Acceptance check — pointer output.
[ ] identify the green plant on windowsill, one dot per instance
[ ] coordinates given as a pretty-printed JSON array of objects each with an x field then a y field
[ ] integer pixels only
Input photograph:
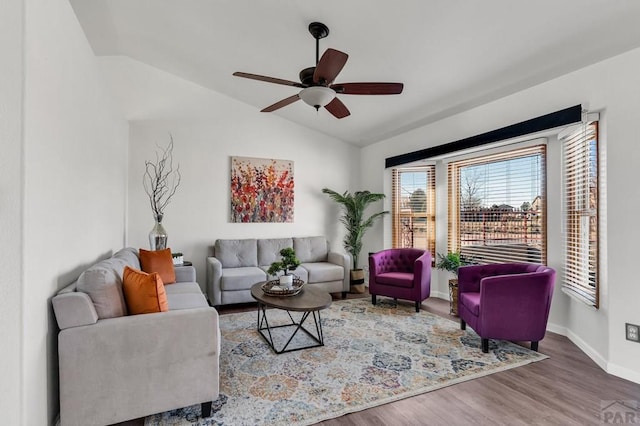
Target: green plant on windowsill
[{"x": 452, "y": 261}]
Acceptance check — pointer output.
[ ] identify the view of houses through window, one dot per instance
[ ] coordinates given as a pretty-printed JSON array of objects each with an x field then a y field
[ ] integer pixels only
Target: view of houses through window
[{"x": 497, "y": 207}]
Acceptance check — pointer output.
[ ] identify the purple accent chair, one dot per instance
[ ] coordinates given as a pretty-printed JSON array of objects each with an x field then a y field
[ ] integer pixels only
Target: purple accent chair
[
  {"x": 507, "y": 301},
  {"x": 401, "y": 273}
]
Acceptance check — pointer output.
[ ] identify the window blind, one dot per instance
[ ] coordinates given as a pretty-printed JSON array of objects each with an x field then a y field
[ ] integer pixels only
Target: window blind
[
  {"x": 413, "y": 208},
  {"x": 580, "y": 212},
  {"x": 497, "y": 207}
]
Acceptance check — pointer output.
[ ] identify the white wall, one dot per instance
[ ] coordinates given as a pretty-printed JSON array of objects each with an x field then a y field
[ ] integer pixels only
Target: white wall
[
  {"x": 199, "y": 212},
  {"x": 612, "y": 87},
  {"x": 219, "y": 128},
  {"x": 75, "y": 149},
  {"x": 11, "y": 46}
]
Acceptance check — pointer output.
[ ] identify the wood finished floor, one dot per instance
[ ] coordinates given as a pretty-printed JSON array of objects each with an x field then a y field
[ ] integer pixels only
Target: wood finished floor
[{"x": 566, "y": 389}]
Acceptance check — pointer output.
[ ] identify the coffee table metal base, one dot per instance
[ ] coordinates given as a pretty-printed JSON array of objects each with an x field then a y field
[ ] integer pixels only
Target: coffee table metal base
[{"x": 265, "y": 329}]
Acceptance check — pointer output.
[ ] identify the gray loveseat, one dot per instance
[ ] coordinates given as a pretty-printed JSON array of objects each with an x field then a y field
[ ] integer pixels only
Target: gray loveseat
[
  {"x": 236, "y": 265},
  {"x": 115, "y": 367}
]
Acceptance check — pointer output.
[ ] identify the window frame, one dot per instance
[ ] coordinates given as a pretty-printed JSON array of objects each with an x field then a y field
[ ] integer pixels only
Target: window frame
[
  {"x": 574, "y": 283},
  {"x": 429, "y": 215}
]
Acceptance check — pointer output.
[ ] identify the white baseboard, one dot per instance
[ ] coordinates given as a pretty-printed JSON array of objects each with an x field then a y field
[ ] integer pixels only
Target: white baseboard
[
  {"x": 440, "y": 295},
  {"x": 558, "y": 329},
  {"x": 591, "y": 353},
  {"x": 625, "y": 373}
]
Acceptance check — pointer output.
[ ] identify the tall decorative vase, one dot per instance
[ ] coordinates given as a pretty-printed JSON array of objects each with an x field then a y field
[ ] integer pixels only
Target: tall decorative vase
[{"x": 158, "y": 235}]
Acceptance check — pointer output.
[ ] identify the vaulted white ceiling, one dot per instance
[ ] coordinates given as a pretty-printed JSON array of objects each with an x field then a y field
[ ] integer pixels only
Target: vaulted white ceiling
[{"x": 451, "y": 55}]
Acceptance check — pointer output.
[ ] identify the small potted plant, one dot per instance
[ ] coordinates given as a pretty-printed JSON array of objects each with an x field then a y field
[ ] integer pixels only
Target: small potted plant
[
  {"x": 178, "y": 259},
  {"x": 452, "y": 262},
  {"x": 288, "y": 262}
]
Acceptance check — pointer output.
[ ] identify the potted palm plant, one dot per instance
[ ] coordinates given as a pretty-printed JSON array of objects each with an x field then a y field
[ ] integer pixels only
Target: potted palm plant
[
  {"x": 288, "y": 262},
  {"x": 452, "y": 262},
  {"x": 353, "y": 218}
]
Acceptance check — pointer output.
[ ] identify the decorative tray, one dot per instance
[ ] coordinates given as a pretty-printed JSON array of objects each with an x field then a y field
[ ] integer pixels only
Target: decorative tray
[{"x": 272, "y": 288}]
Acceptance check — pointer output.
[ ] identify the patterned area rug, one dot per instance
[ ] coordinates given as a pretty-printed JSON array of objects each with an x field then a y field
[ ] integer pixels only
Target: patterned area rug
[{"x": 372, "y": 355}]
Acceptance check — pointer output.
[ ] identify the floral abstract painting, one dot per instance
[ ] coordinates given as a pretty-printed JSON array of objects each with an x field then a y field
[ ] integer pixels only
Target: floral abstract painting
[{"x": 261, "y": 190}]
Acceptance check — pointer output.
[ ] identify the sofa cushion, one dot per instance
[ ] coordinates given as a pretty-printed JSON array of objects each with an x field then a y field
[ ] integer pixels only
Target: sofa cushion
[
  {"x": 185, "y": 295},
  {"x": 396, "y": 279},
  {"x": 183, "y": 287},
  {"x": 311, "y": 249},
  {"x": 236, "y": 253},
  {"x": 159, "y": 261},
  {"x": 103, "y": 283},
  {"x": 130, "y": 256},
  {"x": 269, "y": 250},
  {"x": 179, "y": 300},
  {"x": 241, "y": 278},
  {"x": 144, "y": 292},
  {"x": 323, "y": 271}
]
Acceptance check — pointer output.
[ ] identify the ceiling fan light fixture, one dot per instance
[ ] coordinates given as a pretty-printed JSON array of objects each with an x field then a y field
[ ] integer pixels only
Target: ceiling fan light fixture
[{"x": 317, "y": 96}]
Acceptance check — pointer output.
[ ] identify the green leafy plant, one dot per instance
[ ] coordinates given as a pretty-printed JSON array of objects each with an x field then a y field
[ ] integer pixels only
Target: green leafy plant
[
  {"x": 354, "y": 206},
  {"x": 452, "y": 261},
  {"x": 288, "y": 262}
]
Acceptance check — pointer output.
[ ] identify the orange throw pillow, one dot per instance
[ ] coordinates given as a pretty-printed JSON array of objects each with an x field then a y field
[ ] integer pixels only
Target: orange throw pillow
[
  {"x": 159, "y": 261},
  {"x": 144, "y": 293}
]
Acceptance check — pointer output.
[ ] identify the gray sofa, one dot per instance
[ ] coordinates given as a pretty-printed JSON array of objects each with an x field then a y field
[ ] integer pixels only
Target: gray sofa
[
  {"x": 236, "y": 265},
  {"x": 115, "y": 367}
]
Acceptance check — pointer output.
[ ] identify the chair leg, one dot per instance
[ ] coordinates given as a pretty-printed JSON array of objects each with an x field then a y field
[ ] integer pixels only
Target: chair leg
[
  {"x": 534, "y": 346},
  {"x": 485, "y": 345},
  {"x": 463, "y": 325},
  {"x": 417, "y": 306},
  {"x": 373, "y": 299},
  {"x": 205, "y": 409},
  {"x": 344, "y": 294}
]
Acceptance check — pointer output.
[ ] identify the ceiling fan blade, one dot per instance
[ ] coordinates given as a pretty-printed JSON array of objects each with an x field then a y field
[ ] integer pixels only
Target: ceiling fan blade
[
  {"x": 337, "y": 108},
  {"x": 282, "y": 103},
  {"x": 329, "y": 66},
  {"x": 269, "y": 79},
  {"x": 368, "y": 88}
]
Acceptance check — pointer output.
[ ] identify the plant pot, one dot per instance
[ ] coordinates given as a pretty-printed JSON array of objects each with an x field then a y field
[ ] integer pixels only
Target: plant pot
[
  {"x": 286, "y": 281},
  {"x": 357, "y": 281},
  {"x": 453, "y": 296}
]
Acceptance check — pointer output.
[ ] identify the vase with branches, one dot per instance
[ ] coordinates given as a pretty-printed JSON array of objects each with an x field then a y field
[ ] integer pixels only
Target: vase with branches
[
  {"x": 160, "y": 181},
  {"x": 356, "y": 225}
]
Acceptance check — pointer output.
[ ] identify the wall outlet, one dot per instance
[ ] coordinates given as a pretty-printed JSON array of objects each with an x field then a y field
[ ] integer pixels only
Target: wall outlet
[{"x": 632, "y": 332}]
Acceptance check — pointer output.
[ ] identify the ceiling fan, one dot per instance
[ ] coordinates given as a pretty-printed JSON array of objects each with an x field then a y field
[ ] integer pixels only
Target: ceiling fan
[{"x": 318, "y": 88}]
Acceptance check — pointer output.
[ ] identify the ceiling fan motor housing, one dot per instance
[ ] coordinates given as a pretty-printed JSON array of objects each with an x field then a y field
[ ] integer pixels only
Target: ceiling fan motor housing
[{"x": 306, "y": 76}]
